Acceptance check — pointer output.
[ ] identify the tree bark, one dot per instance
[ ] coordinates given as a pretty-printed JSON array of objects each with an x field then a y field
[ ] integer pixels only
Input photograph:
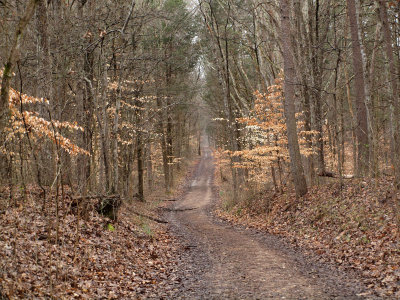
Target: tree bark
[
  {"x": 87, "y": 134},
  {"x": 289, "y": 107},
  {"x": 362, "y": 123},
  {"x": 149, "y": 167},
  {"x": 139, "y": 152},
  {"x": 10, "y": 63},
  {"x": 316, "y": 59},
  {"x": 303, "y": 58},
  {"x": 139, "y": 148},
  {"x": 394, "y": 104},
  {"x": 163, "y": 144}
]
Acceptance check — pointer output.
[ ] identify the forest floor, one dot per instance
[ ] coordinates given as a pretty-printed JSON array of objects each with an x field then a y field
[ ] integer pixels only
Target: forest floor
[
  {"x": 329, "y": 245},
  {"x": 86, "y": 257},
  {"x": 127, "y": 259},
  {"x": 223, "y": 261}
]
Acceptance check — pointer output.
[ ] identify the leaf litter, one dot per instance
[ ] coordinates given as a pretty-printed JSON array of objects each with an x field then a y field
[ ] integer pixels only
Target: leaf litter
[
  {"x": 131, "y": 258},
  {"x": 356, "y": 227}
]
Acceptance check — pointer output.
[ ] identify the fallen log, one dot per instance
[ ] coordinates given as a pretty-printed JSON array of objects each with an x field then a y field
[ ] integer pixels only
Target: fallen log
[
  {"x": 106, "y": 205},
  {"x": 333, "y": 175},
  {"x": 149, "y": 217},
  {"x": 87, "y": 197}
]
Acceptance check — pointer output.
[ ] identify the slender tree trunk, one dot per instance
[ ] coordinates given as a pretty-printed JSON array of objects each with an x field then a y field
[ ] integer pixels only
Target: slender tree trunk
[
  {"x": 149, "y": 167},
  {"x": 374, "y": 102},
  {"x": 362, "y": 123},
  {"x": 163, "y": 145},
  {"x": 170, "y": 153},
  {"x": 45, "y": 86},
  {"x": 178, "y": 150},
  {"x": 274, "y": 178},
  {"x": 103, "y": 127},
  {"x": 289, "y": 107},
  {"x": 115, "y": 146},
  {"x": 317, "y": 80},
  {"x": 231, "y": 118},
  {"x": 303, "y": 57},
  {"x": 139, "y": 148},
  {"x": 353, "y": 120},
  {"x": 5, "y": 112},
  {"x": 88, "y": 118},
  {"x": 394, "y": 104},
  {"x": 10, "y": 63},
  {"x": 168, "y": 132},
  {"x": 139, "y": 153},
  {"x": 368, "y": 103}
]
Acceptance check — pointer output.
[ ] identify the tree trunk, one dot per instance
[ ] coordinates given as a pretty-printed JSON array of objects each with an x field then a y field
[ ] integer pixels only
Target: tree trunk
[
  {"x": 103, "y": 127},
  {"x": 289, "y": 107},
  {"x": 317, "y": 80},
  {"x": 179, "y": 139},
  {"x": 163, "y": 144},
  {"x": 5, "y": 112},
  {"x": 362, "y": 123},
  {"x": 303, "y": 57},
  {"x": 394, "y": 104},
  {"x": 368, "y": 103},
  {"x": 88, "y": 118},
  {"x": 170, "y": 153},
  {"x": 115, "y": 146},
  {"x": 149, "y": 167},
  {"x": 139, "y": 147},
  {"x": 374, "y": 103},
  {"x": 9, "y": 65},
  {"x": 139, "y": 152}
]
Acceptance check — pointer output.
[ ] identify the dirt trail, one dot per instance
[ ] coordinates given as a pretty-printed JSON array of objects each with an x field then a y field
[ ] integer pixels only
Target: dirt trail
[{"x": 224, "y": 262}]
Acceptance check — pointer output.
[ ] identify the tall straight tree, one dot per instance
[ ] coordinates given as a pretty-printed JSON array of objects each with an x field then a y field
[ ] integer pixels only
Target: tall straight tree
[
  {"x": 394, "y": 104},
  {"x": 10, "y": 63},
  {"x": 296, "y": 165},
  {"x": 360, "y": 91}
]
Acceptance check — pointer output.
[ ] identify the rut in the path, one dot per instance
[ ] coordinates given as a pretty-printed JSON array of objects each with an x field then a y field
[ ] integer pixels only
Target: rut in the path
[{"x": 227, "y": 263}]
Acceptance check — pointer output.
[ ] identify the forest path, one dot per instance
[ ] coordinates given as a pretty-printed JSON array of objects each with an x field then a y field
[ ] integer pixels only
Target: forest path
[{"x": 225, "y": 262}]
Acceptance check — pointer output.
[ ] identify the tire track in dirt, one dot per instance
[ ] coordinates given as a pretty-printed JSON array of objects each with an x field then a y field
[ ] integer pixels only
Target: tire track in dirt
[{"x": 223, "y": 262}]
